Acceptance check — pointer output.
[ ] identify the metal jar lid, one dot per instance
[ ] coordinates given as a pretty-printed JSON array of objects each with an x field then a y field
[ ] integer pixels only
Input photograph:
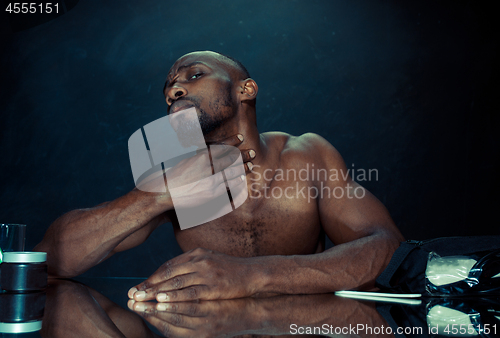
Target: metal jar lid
[
  {"x": 24, "y": 257},
  {"x": 21, "y": 327}
]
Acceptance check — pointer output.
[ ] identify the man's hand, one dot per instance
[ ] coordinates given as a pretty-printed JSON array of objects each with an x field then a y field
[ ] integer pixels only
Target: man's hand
[
  {"x": 200, "y": 274},
  {"x": 192, "y": 181}
]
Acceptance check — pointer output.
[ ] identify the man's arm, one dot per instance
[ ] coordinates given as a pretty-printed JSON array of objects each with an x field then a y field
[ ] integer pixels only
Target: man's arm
[
  {"x": 359, "y": 225},
  {"x": 364, "y": 234},
  {"x": 80, "y": 239}
]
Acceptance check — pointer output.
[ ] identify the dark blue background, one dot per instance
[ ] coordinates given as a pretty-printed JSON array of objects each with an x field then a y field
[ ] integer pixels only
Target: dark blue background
[{"x": 409, "y": 88}]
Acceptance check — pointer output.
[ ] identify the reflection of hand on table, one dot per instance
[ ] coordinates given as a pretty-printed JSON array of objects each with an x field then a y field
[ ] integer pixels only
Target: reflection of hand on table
[
  {"x": 75, "y": 310},
  {"x": 262, "y": 316}
]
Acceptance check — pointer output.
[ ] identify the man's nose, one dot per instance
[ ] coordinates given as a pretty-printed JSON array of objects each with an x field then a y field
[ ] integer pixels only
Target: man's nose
[{"x": 174, "y": 93}]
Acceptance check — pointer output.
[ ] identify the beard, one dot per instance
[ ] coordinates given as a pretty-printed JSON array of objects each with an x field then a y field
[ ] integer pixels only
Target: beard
[{"x": 188, "y": 131}]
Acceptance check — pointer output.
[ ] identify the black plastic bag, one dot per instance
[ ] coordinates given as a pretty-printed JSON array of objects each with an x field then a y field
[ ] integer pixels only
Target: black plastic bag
[{"x": 406, "y": 272}]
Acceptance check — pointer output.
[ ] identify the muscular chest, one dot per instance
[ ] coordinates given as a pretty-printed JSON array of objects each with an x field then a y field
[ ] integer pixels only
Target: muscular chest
[{"x": 277, "y": 218}]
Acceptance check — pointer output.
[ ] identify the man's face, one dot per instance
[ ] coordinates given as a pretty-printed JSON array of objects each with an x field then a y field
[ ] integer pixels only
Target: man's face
[{"x": 200, "y": 80}]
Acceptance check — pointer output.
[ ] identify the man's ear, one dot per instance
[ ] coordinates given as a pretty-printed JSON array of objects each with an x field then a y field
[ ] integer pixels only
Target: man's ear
[{"x": 248, "y": 90}]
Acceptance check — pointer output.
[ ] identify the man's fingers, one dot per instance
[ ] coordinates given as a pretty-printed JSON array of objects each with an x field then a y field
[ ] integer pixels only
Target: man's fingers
[
  {"x": 224, "y": 154},
  {"x": 230, "y": 161},
  {"x": 132, "y": 291},
  {"x": 230, "y": 141},
  {"x": 204, "y": 184},
  {"x": 223, "y": 157},
  {"x": 220, "y": 152},
  {"x": 190, "y": 293},
  {"x": 175, "y": 283},
  {"x": 169, "y": 326},
  {"x": 141, "y": 306},
  {"x": 169, "y": 330},
  {"x": 170, "y": 269},
  {"x": 248, "y": 167},
  {"x": 177, "y": 266},
  {"x": 248, "y": 155},
  {"x": 238, "y": 182},
  {"x": 192, "y": 309},
  {"x": 234, "y": 172},
  {"x": 143, "y": 296},
  {"x": 163, "y": 274},
  {"x": 193, "y": 292}
]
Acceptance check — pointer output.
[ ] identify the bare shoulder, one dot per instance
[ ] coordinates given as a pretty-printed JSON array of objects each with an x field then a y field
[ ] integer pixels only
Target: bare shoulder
[{"x": 305, "y": 148}]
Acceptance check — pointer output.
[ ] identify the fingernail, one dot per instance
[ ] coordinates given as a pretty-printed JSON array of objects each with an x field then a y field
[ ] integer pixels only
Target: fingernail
[
  {"x": 162, "y": 306},
  {"x": 242, "y": 177},
  {"x": 251, "y": 153},
  {"x": 140, "y": 307},
  {"x": 131, "y": 292},
  {"x": 161, "y": 297},
  {"x": 250, "y": 166},
  {"x": 140, "y": 295},
  {"x": 240, "y": 137}
]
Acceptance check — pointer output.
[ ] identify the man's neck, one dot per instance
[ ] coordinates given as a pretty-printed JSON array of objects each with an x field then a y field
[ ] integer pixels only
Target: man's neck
[{"x": 252, "y": 140}]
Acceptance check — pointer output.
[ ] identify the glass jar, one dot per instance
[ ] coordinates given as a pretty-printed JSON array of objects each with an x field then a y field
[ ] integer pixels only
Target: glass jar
[{"x": 23, "y": 271}]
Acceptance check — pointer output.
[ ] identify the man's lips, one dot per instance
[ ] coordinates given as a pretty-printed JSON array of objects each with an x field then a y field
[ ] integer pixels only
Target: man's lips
[{"x": 177, "y": 107}]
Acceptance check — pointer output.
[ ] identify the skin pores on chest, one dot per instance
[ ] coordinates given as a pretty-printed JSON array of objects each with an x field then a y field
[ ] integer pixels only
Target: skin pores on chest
[{"x": 278, "y": 218}]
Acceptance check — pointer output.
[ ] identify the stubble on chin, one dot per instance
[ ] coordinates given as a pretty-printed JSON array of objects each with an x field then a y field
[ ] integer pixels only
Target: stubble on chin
[{"x": 223, "y": 109}]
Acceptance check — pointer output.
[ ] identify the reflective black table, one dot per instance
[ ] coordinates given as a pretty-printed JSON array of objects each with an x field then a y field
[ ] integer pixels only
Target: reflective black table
[{"x": 99, "y": 307}]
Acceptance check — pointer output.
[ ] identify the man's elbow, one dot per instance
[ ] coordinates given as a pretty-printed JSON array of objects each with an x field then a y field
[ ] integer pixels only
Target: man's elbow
[
  {"x": 61, "y": 259},
  {"x": 387, "y": 242},
  {"x": 58, "y": 272},
  {"x": 57, "y": 267}
]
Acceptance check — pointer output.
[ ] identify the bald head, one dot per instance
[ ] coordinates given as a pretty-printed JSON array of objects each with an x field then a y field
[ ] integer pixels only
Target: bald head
[
  {"x": 236, "y": 65},
  {"x": 233, "y": 67}
]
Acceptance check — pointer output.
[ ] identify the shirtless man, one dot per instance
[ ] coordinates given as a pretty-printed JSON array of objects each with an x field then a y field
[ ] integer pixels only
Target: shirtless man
[{"x": 268, "y": 244}]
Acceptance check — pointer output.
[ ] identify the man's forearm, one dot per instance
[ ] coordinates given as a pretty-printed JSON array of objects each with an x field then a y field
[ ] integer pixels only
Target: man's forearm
[
  {"x": 82, "y": 238},
  {"x": 352, "y": 265},
  {"x": 206, "y": 274}
]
